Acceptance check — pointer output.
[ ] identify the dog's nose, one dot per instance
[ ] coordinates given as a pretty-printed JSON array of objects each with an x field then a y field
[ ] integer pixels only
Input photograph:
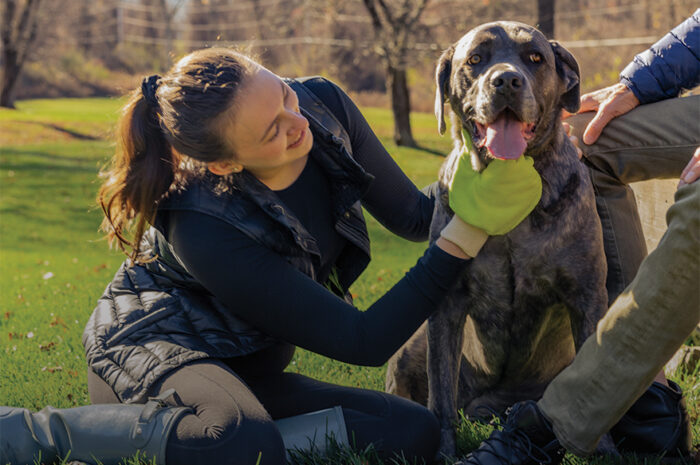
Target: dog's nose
[{"x": 507, "y": 80}]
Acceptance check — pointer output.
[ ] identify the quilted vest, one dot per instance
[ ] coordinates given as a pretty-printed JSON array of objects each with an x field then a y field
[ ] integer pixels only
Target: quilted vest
[{"x": 155, "y": 317}]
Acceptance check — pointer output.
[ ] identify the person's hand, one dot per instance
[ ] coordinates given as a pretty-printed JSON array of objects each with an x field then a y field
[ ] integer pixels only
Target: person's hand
[
  {"x": 608, "y": 103},
  {"x": 574, "y": 140},
  {"x": 691, "y": 172},
  {"x": 499, "y": 197}
]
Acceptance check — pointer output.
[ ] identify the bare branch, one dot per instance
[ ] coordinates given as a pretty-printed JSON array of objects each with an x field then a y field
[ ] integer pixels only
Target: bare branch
[
  {"x": 387, "y": 13},
  {"x": 376, "y": 21},
  {"x": 8, "y": 16},
  {"x": 418, "y": 11},
  {"x": 29, "y": 41},
  {"x": 29, "y": 8}
]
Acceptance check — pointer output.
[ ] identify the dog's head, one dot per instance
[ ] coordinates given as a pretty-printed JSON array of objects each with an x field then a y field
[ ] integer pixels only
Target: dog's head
[{"x": 506, "y": 84}]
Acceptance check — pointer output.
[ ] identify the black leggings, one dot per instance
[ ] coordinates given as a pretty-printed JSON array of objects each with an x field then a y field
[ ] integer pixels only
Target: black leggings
[{"x": 236, "y": 400}]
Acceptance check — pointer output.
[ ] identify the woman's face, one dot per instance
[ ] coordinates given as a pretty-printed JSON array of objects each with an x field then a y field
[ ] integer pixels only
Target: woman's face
[{"x": 267, "y": 134}]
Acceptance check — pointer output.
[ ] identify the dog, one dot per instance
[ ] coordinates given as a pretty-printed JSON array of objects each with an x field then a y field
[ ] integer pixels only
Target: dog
[{"x": 530, "y": 298}]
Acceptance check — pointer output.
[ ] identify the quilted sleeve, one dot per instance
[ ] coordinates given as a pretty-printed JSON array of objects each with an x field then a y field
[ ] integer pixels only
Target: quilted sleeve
[{"x": 667, "y": 67}]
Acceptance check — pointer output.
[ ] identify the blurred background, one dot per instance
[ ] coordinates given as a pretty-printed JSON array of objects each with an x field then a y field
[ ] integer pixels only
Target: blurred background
[{"x": 80, "y": 48}]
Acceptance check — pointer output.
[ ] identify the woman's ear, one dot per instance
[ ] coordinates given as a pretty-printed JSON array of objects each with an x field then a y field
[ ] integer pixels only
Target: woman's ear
[{"x": 224, "y": 167}]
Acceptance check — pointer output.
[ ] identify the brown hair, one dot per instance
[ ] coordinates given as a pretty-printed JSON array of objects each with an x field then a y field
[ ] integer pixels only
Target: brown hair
[{"x": 177, "y": 118}]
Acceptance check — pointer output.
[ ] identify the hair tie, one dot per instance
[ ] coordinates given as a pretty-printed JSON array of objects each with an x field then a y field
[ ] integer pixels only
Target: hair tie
[{"x": 149, "y": 86}]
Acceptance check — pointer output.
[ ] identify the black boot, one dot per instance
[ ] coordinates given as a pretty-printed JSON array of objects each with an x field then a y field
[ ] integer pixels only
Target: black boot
[
  {"x": 105, "y": 432},
  {"x": 526, "y": 438},
  {"x": 657, "y": 424}
]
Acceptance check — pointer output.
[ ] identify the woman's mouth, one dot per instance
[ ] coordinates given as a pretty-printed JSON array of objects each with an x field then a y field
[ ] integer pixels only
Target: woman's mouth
[{"x": 298, "y": 142}]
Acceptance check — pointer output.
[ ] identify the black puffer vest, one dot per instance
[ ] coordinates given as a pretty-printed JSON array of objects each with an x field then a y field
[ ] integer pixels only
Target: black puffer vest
[{"x": 155, "y": 317}]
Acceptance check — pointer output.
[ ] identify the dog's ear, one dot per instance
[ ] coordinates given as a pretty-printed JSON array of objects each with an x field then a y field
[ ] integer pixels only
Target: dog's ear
[
  {"x": 442, "y": 80},
  {"x": 568, "y": 71}
]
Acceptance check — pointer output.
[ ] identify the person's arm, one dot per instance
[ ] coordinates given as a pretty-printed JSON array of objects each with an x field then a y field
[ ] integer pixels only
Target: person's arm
[
  {"x": 667, "y": 67},
  {"x": 661, "y": 72},
  {"x": 270, "y": 294},
  {"x": 392, "y": 198}
]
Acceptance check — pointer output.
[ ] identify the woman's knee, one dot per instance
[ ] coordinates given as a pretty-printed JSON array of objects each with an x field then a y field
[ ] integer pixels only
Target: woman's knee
[{"x": 246, "y": 440}]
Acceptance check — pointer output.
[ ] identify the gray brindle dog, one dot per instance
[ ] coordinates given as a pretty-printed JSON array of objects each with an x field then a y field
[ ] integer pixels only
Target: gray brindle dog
[{"x": 531, "y": 297}]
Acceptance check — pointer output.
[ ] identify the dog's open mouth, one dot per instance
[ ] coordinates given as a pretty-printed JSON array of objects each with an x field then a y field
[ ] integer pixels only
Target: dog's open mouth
[{"x": 505, "y": 137}]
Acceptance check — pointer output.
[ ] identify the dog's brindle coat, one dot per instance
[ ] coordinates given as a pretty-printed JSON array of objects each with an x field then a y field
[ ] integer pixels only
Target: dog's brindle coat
[{"x": 531, "y": 297}]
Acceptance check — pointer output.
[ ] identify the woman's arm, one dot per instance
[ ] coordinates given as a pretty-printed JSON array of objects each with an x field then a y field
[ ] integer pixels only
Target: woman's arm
[
  {"x": 267, "y": 292},
  {"x": 392, "y": 198}
]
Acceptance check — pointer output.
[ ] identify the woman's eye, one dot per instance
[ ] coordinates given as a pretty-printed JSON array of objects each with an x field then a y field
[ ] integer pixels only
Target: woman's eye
[
  {"x": 274, "y": 134},
  {"x": 474, "y": 59},
  {"x": 535, "y": 57}
]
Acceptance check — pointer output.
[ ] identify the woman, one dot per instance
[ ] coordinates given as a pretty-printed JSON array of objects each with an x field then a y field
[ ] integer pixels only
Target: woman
[{"x": 245, "y": 212}]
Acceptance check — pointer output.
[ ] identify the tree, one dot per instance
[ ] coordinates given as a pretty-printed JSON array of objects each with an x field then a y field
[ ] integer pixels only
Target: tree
[
  {"x": 168, "y": 10},
  {"x": 545, "y": 17},
  {"x": 19, "y": 32},
  {"x": 393, "y": 32}
]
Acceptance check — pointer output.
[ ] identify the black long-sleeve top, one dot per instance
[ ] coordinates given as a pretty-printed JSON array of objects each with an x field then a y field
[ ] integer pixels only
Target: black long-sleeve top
[{"x": 283, "y": 302}]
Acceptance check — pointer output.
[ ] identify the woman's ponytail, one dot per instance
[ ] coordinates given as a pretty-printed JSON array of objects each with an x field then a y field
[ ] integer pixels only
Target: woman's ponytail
[
  {"x": 165, "y": 117},
  {"x": 141, "y": 172}
]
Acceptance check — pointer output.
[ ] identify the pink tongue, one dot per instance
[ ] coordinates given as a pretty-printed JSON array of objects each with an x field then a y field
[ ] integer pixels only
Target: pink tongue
[{"x": 504, "y": 137}]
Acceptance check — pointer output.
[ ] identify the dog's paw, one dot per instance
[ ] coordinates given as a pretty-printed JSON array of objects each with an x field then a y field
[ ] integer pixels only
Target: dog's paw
[{"x": 448, "y": 445}]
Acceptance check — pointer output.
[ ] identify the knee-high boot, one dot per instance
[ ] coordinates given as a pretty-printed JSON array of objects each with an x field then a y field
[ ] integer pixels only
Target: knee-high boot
[{"x": 104, "y": 432}]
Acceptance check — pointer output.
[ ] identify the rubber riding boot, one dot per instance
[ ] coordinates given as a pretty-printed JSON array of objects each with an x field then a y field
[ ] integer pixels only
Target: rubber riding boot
[
  {"x": 656, "y": 424},
  {"x": 105, "y": 432},
  {"x": 311, "y": 431},
  {"x": 526, "y": 438}
]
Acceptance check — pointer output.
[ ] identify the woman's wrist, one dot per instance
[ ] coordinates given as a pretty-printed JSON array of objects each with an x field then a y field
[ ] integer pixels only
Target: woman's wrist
[
  {"x": 460, "y": 235},
  {"x": 451, "y": 248}
]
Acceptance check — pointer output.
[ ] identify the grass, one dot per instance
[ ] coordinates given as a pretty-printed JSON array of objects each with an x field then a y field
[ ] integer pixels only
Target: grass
[{"x": 54, "y": 264}]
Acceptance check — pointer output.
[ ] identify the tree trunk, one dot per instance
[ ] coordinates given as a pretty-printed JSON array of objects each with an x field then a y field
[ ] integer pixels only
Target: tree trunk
[
  {"x": 10, "y": 73},
  {"x": 545, "y": 17},
  {"x": 401, "y": 106}
]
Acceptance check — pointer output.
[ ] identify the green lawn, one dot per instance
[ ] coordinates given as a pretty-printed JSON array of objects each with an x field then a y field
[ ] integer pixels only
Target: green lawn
[{"x": 54, "y": 264}]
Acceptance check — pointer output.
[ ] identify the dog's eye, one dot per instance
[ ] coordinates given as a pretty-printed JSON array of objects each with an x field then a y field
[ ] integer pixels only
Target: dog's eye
[
  {"x": 535, "y": 57},
  {"x": 474, "y": 59}
]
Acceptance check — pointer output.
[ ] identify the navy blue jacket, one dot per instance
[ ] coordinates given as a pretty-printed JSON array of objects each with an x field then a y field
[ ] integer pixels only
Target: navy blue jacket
[{"x": 667, "y": 67}]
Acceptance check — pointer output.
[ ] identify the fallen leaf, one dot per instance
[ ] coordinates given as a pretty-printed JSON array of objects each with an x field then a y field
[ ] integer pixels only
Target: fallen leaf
[
  {"x": 52, "y": 369},
  {"x": 47, "y": 347},
  {"x": 8, "y": 315},
  {"x": 57, "y": 320}
]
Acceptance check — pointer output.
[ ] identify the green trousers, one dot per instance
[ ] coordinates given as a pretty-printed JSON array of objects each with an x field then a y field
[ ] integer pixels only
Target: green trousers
[{"x": 660, "y": 306}]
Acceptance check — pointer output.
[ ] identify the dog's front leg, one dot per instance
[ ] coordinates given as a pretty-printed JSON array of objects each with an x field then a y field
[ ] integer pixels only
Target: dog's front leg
[{"x": 445, "y": 334}]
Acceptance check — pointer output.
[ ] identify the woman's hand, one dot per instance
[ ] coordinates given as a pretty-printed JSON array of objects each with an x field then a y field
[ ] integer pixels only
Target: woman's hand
[
  {"x": 691, "y": 172},
  {"x": 608, "y": 103},
  {"x": 498, "y": 198},
  {"x": 490, "y": 202}
]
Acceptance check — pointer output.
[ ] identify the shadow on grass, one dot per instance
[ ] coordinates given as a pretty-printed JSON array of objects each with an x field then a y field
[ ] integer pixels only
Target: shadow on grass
[
  {"x": 431, "y": 151},
  {"x": 76, "y": 164},
  {"x": 61, "y": 129}
]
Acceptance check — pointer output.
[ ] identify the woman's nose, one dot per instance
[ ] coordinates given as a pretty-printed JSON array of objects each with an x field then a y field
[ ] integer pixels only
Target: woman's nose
[{"x": 299, "y": 122}]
